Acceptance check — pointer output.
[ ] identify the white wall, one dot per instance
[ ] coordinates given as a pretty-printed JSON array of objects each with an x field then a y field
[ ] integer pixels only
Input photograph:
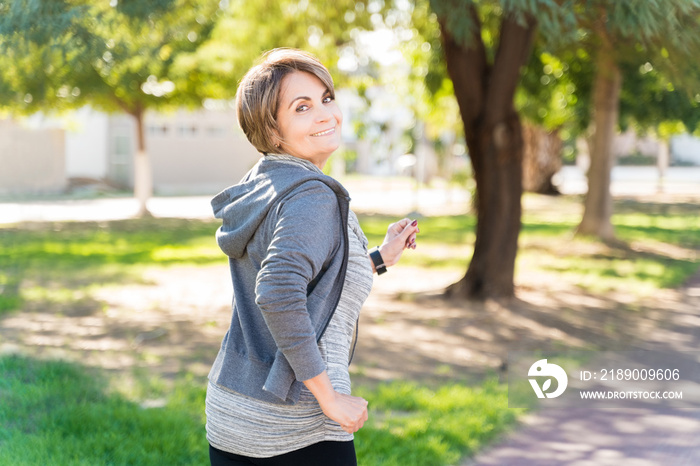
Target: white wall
[
  {"x": 685, "y": 148},
  {"x": 31, "y": 160},
  {"x": 198, "y": 152},
  {"x": 86, "y": 144}
]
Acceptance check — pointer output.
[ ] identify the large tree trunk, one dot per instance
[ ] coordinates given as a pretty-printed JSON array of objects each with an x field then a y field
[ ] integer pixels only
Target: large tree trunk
[
  {"x": 143, "y": 179},
  {"x": 541, "y": 159},
  {"x": 598, "y": 206},
  {"x": 493, "y": 132}
]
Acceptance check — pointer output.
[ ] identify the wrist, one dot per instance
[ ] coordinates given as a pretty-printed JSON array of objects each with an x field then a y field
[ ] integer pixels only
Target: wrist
[
  {"x": 377, "y": 260},
  {"x": 326, "y": 400},
  {"x": 322, "y": 389}
]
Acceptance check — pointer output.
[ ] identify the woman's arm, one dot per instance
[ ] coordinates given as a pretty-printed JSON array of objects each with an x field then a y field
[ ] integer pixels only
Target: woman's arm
[
  {"x": 347, "y": 410},
  {"x": 304, "y": 236}
]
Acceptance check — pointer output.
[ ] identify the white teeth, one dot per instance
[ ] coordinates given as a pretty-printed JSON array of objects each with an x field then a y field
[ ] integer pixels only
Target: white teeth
[{"x": 323, "y": 133}]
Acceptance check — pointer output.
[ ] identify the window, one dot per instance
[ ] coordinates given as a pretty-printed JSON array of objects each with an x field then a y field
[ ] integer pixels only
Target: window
[
  {"x": 187, "y": 131},
  {"x": 216, "y": 131},
  {"x": 157, "y": 130}
]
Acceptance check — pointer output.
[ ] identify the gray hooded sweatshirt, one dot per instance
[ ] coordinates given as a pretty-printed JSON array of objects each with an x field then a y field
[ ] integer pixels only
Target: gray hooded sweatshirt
[{"x": 285, "y": 233}]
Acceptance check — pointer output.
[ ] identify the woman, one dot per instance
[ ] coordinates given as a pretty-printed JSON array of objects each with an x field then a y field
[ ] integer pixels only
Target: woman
[{"x": 279, "y": 390}]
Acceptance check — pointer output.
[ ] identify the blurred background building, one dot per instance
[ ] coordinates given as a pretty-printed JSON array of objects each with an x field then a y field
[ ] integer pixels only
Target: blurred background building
[
  {"x": 191, "y": 152},
  {"x": 204, "y": 151}
]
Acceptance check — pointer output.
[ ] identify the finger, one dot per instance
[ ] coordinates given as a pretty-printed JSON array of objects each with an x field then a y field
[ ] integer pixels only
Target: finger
[
  {"x": 411, "y": 239},
  {"x": 363, "y": 420},
  {"x": 405, "y": 223},
  {"x": 401, "y": 224},
  {"x": 409, "y": 229}
]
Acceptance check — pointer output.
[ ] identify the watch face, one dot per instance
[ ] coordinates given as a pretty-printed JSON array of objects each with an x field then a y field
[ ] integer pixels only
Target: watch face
[
  {"x": 378, "y": 261},
  {"x": 376, "y": 258}
]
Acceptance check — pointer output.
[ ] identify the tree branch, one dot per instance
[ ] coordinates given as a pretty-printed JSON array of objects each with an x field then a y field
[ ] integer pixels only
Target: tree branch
[
  {"x": 468, "y": 68},
  {"x": 514, "y": 48}
]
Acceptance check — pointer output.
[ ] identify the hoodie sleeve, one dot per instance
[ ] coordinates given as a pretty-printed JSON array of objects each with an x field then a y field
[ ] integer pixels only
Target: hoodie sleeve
[{"x": 306, "y": 233}]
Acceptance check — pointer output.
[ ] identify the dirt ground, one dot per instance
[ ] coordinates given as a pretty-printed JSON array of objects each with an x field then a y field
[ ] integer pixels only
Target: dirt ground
[{"x": 173, "y": 321}]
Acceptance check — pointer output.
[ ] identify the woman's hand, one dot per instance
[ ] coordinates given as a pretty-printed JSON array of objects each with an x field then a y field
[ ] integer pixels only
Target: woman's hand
[
  {"x": 347, "y": 410},
  {"x": 399, "y": 236}
]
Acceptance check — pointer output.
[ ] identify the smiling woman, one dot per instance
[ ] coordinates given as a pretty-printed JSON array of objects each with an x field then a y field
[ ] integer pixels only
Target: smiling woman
[
  {"x": 259, "y": 97},
  {"x": 279, "y": 389}
]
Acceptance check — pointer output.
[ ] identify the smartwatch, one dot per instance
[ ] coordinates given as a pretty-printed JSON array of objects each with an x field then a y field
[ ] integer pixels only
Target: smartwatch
[{"x": 378, "y": 261}]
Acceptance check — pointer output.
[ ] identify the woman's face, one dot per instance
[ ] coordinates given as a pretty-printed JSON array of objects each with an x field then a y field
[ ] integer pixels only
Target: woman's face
[{"x": 308, "y": 118}]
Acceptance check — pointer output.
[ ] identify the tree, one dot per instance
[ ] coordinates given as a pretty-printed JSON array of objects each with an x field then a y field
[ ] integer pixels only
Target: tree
[
  {"x": 548, "y": 101},
  {"x": 484, "y": 65},
  {"x": 542, "y": 159},
  {"x": 655, "y": 96},
  {"x": 113, "y": 56},
  {"x": 616, "y": 33},
  {"x": 485, "y": 44},
  {"x": 245, "y": 29}
]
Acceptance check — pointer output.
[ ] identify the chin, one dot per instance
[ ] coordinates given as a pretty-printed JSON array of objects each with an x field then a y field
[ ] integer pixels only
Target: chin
[{"x": 330, "y": 148}]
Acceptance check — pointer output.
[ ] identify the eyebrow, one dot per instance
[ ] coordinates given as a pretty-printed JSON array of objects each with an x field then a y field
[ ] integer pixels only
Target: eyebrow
[{"x": 303, "y": 97}]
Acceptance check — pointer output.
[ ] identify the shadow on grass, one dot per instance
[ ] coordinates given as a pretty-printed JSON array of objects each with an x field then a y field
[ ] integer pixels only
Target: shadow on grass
[
  {"x": 457, "y": 339},
  {"x": 627, "y": 206},
  {"x": 69, "y": 256},
  {"x": 623, "y": 266}
]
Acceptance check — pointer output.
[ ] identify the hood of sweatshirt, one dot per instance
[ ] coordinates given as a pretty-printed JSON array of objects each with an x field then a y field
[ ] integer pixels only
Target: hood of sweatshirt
[{"x": 243, "y": 207}]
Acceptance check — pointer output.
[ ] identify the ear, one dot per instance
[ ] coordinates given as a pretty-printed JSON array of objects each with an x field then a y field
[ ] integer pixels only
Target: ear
[{"x": 276, "y": 138}]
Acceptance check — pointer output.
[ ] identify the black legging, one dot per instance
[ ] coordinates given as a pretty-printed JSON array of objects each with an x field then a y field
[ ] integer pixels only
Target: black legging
[{"x": 319, "y": 454}]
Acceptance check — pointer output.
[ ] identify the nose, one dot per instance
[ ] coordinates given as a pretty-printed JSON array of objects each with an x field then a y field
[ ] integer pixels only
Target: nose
[{"x": 323, "y": 113}]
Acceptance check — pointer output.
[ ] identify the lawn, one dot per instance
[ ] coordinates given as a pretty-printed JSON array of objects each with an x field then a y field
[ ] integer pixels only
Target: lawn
[
  {"x": 66, "y": 413},
  {"x": 656, "y": 248},
  {"x": 61, "y": 413},
  {"x": 62, "y": 261}
]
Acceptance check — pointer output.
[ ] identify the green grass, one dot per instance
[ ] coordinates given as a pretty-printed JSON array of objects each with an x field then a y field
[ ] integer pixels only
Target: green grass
[
  {"x": 40, "y": 263},
  {"x": 414, "y": 425},
  {"x": 547, "y": 245},
  {"x": 656, "y": 249},
  {"x": 77, "y": 245},
  {"x": 679, "y": 229},
  {"x": 63, "y": 413}
]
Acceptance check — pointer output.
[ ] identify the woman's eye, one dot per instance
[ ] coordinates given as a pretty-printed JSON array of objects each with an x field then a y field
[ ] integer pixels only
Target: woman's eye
[
  {"x": 302, "y": 108},
  {"x": 327, "y": 99}
]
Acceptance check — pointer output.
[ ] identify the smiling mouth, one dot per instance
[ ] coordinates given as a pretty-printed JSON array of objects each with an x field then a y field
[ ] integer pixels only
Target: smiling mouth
[{"x": 324, "y": 133}]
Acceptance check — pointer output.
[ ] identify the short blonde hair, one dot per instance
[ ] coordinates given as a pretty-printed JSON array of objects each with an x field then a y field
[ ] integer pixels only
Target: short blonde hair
[{"x": 258, "y": 94}]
